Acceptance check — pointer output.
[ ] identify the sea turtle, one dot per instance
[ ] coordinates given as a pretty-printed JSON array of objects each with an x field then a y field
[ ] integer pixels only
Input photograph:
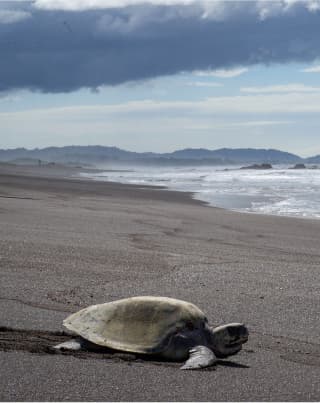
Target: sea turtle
[{"x": 170, "y": 328}]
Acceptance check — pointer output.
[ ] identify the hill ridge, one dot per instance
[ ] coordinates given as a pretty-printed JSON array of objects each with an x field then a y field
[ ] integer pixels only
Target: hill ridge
[{"x": 98, "y": 154}]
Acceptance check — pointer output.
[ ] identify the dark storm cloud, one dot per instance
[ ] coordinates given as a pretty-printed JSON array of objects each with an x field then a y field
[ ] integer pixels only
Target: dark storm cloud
[{"x": 61, "y": 51}]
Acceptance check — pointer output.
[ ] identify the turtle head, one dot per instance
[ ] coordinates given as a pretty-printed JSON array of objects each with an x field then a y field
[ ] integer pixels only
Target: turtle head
[{"x": 227, "y": 340}]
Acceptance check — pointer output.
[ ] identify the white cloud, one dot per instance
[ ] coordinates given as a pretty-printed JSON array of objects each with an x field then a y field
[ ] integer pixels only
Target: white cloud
[
  {"x": 139, "y": 124},
  {"x": 259, "y": 123},
  {"x": 265, "y": 103},
  {"x": 280, "y": 89},
  {"x": 313, "y": 5},
  {"x": 204, "y": 84},
  {"x": 288, "y": 103},
  {"x": 13, "y": 16},
  {"x": 9, "y": 98},
  {"x": 313, "y": 69},
  {"x": 222, "y": 73},
  {"x": 225, "y": 125},
  {"x": 77, "y": 5},
  {"x": 218, "y": 10},
  {"x": 268, "y": 9}
]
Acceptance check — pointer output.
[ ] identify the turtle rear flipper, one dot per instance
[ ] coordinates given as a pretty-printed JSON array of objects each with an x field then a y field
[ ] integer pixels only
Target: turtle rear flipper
[
  {"x": 72, "y": 344},
  {"x": 200, "y": 357}
]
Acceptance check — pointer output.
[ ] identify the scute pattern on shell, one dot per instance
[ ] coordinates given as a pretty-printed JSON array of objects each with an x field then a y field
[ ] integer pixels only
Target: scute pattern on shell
[{"x": 138, "y": 324}]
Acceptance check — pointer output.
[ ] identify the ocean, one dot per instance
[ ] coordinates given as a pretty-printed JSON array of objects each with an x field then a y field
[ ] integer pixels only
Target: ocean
[{"x": 277, "y": 191}]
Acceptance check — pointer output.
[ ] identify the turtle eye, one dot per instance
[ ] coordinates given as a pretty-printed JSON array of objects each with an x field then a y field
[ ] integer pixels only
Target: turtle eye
[{"x": 189, "y": 325}]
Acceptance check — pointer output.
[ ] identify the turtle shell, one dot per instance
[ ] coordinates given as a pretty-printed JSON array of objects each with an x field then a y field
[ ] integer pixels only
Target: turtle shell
[{"x": 138, "y": 324}]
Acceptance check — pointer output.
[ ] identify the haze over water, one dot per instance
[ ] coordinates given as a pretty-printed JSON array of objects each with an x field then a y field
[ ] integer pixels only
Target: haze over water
[{"x": 278, "y": 191}]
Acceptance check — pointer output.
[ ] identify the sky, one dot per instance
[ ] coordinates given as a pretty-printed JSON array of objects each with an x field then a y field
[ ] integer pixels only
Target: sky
[{"x": 160, "y": 75}]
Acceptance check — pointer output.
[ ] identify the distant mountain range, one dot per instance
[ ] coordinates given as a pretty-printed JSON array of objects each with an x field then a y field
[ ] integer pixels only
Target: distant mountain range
[{"x": 100, "y": 155}]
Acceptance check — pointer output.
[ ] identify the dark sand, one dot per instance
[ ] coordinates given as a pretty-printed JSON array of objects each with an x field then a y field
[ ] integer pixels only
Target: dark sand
[{"x": 67, "y": 243}]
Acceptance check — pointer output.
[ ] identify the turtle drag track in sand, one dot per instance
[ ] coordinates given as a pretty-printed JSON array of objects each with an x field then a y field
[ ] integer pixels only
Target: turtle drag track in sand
[{"x": 42, "y": 343}]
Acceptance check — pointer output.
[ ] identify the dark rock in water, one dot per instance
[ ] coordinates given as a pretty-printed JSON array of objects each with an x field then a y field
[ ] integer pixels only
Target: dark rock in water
[
  {"x": 258, "y": 166},
  {"x": 299, "y": 166}
]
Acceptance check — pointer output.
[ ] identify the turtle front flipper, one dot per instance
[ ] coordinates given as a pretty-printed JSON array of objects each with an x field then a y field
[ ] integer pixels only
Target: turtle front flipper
[{"x": 200, "y": 357}]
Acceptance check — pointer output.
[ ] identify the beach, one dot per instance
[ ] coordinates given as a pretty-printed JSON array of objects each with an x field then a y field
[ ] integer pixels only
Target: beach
[{"x": 67, "y": 242}]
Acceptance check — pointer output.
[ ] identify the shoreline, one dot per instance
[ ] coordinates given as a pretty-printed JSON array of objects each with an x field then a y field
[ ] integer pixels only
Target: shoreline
[
  {"x": 49, "y": 178},
  {"x": 233, "y": 202},
  {"x": 69, "y": 243},
  {"x": 62, "y": 172},
  {"x": 193, "y": 196}
]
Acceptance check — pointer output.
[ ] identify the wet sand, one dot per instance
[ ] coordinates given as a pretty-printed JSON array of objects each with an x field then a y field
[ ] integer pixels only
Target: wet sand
[{"x": 66, "y": 243}]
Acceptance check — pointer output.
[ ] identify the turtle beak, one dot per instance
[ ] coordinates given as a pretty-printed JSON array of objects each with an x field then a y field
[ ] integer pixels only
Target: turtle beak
[
  {"x": 243, "y": 333},
  {"x": 238, "y": 332}
]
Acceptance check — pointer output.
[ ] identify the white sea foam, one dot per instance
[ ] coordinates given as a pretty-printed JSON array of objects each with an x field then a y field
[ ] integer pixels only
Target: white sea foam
[{"x": 279, "y": 191}]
